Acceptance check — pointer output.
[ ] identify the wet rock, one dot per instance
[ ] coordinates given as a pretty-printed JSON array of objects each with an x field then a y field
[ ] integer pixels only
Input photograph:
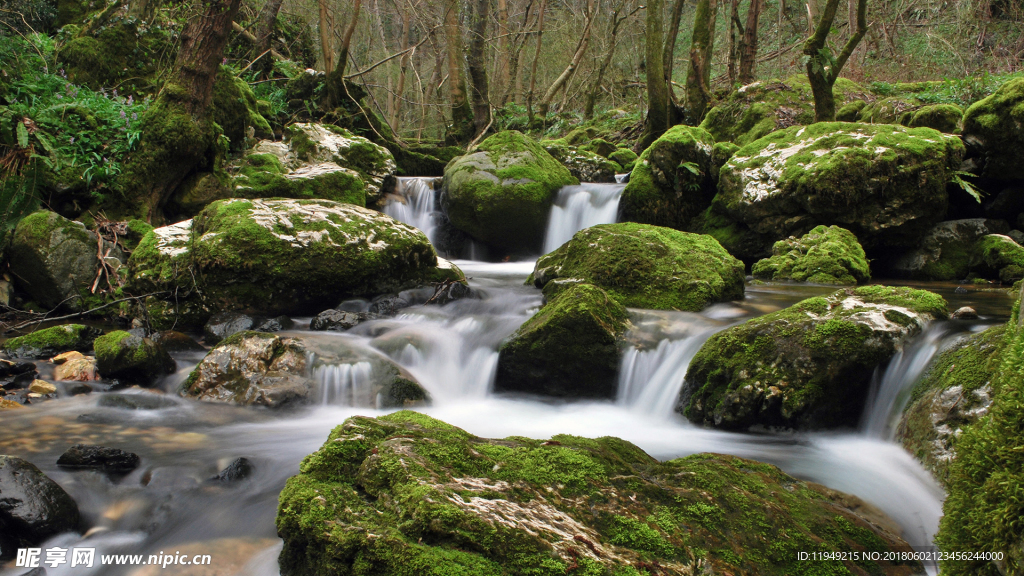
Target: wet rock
[
  {"x": 174, "y": 341},
  {"x": 6, "y": 404},
  {"x": 958, "y": 249},
  {"x": 447, "y": 292},
  {"x": 82, "y": 456},
  {"x": 77, "y": 389},
  {"x": 239, "y": 469},
  {"x": 338, "y": 320},
  {"x": 42, "y": 387},
  {"x": 222, "y": 325},
  {"x": 14, "y": 375},
  {"x": 33, "y": 508},
  {"x": 808, "y": 366},
  {"x": 387, "y": 305},
  {"x": 825, "y": 255},
  {"x": 643, "y": 266},
  {"x": 52, "y": 341},
  {"x": 53, "y": 258},
  {"x": 132, "y": 359},
  {"x": 404, "y": 486},
  {"x": 964, "y": 313},
  {"x": 144, "y": 401},
  {"x": 569, "y": 348},
  {"x": 74, "y": 366}
]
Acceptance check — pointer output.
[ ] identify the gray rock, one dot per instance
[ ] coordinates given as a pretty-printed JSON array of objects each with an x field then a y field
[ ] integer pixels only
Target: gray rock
[
  {"x": 239, "y": 469},
  {"x": 338, "y": 320},
  {"x": 32, "y": 507},
  {"x": 130, "y": 358},
  {"x": 136, "y": 401},
  {"x": 964, "y": 313},
  {"x": 944, "y": 250},
  {"x": 82, "y": 456}
]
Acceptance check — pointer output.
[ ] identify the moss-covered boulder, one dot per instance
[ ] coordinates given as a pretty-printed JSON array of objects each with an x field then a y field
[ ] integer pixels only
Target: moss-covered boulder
[
  {"x": 124, "y": 54},
  {"x": 808, "y": 366},
  {"x": 262, "y": 369},
  {"x": 49, "y": 342},
  {"x": 235, "y": 111},
  {"x": 963, "y": 249},
  {"x": 993, "y": 129},
  {"x": 264, "y": 176},
  {"x": 625, "y": 158},
  {"x": 325, "y": 143},
  {"x": 584, "y": 165},
  {"x": 954, "y": 393},
  {"x": 501, "y": 194},
  {"x": 884, "y": 183},
  {"x": 673, "y": 180},
  {"x": 271, "y": 257},
  {"x": 642, "y": 266},
  {"x": 891, "y": 110},
  {"x": 942, "y": 117},
  {"x": 569, "y": 348},
  {"x": 54, "y": 260},
  {"x": 406, "y": 494},
  {"x": 760, "y": 108},
  {"x": 825, "y": 255},
  {"x": 131, "y": 358}
]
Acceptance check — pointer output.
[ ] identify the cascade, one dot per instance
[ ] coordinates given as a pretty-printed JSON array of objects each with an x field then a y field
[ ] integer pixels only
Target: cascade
[
  {"x": 579, "y": 207},
  {"x": 414, "y": 202},
  {"x": 345, "y": 384},
  {"x": 650, "y": 380}
]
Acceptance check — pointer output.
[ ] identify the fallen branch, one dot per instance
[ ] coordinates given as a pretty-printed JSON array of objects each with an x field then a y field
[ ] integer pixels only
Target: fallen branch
[
  {"x": 78, "y": 314},
  {"x": 251, "y": 38}
]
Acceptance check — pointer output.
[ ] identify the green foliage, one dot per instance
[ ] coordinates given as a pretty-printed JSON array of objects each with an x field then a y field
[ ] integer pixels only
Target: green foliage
[
  {"x": 960, "y": 91},
  {"x": 958, "y": 177}
]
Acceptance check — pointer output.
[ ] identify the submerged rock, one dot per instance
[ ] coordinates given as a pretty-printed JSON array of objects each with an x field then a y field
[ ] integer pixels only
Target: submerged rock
[
  {"x": 643, "y": 266},
  {"x": 884, "y": 183},
  {"x": 959, "y": 249},
  {"x": 407, "y": 494},
  {"x": 569, "y": 348},
  {"x": 81, "y": 456},
  {"x": 131, "y": 358},
  {"x": 808, "y": 366},
  {"x": 16, "y": 374},
  {"x": 339, "y": 320},
  {"x": 673, "y": 181},
  {"x": 262, "y": 369},
  {"x": 52, "y": 341},
  {"x": 33, "y": 508},
  {"x": 147, "y": 401},
  {"x": 825, "y": 255},
  {"x": 993, "y": 130},
  {"x": 502, "y": 193},
  {"x": 174, "y": 341}
]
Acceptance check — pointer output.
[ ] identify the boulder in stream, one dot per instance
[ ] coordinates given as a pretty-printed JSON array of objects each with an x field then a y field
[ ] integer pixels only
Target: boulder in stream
[
  {"x": 224, "y": 324},
  {"x": 808, "y": 366},
  {"x": 33, "y": 508},
  {"x": 825, "y": 255},
  {"x": 115, "y": 460},
  {"x": 131, "y": 358},
  {"x": 643, "y": 266},
  {"x": 962, "y": 249},
  {"x": 408, "y": 494},
  {"x": 52, "y": 341}
]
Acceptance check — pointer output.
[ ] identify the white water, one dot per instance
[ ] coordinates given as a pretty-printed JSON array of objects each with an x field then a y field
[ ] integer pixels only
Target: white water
[
  {"x": 414, "y": 203},
  {"x": 344, "y": 384},
  {"x": 650, "y": 380},
  {"x": 579, "y": 207}
]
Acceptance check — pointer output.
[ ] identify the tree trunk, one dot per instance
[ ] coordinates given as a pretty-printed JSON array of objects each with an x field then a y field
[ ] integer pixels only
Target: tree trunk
[
  {"x": 734, "y": 42},
  {"x": 670, "y": 53},
  {"x": 461, "y": 129},
  {"x": 396, "y": 120},
  {"x": 265, "y": 25},
  {"x": 501, "y": 76},
  {"x": 536, "y": 59},
  {"x": 346, "y": 40},
  {"x": 822, "y": 68},
  {"x": 326, "y": 32},
  {"x": 595, "y": 88},
  {"x": 512, "y": 83},
  {"x": 698, "y": 79},
  {"x": 748, "y": 46},
  {"x": 581, "y": 49},
  {"x": 478, "y": 68},
  {"x": 658, "y": 100}
]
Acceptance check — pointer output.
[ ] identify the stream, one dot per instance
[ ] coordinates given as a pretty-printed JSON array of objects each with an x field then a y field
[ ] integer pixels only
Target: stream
[{"x": 168, "y": 503}]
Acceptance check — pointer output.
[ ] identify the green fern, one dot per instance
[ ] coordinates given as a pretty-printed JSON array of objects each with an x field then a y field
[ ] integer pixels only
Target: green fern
[{"x": 957, "y": 178}]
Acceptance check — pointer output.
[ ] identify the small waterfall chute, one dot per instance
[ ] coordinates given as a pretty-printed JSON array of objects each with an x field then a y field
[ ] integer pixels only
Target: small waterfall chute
[
  {"x": 415, "y": 203},
  {"x": 345, "y": 384},
  {"x": 650, "y": 380},
  {"x": 579, "y": 207}
]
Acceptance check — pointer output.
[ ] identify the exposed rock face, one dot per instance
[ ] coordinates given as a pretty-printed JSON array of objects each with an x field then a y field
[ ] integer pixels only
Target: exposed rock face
[
  {"x": 808, "y": 366},
  {"x": 954, "y": 393},
  {"x": 643, "y": 266},
  {"x": 54, "y": 259},
  {"x": 322, "y": 143},
  {"x": 407, "y": 494},
  {"x": 502, "y": 193},
  {"x": 52, "y": 341},
  {"x": 673, "y": 181},
  {"x": 274, "y": 257},
  {"x": 131, "y": 358},
  {"x": 825, "y": 255},
  {"x": 884, "y": 183},
  {"x": 993, "y": 129},
  {"x": 570, "y": 348},
  {"x": 257, "y": 368},
  {"x": 960, "y": 249},
  {"x": 32, "y": 507}
]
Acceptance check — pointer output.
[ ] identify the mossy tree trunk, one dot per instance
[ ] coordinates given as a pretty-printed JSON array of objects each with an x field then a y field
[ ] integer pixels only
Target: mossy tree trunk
[
  {"x": 178, "y": 133},
  {"x": 698, "y": 78},
  {"x": 663, "y": 111},
  {"x": 461, "y": 129},
  {"x": 822, "y": 68},
  {"x": 478, "y": 68}
]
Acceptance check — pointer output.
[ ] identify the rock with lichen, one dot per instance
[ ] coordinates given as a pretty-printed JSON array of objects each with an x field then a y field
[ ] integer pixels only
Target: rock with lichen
[
  {"x": 825, "y": 255},
  {"x": 808, "y": 366},
  {"x": 584, "y": 165},
  {"x": 407, "y": 494}
]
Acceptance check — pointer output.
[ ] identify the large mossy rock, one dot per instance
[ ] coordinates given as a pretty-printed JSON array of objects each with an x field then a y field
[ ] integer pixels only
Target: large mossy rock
[
  {"x": 323, "y": 143},
  {"x": 806, "y": 367},
  {"x": 265, "y": 176},
  {"x": 131, "y": 358},
  {"x": 49, "y": 342},
  {"x": 673, "y": 181},
  {"x": 235, "y": 110},
  {"x": 125, "y": 54},
  {"x": 760, "y": 108},
  {"x": 33, "y": 508},
  {"x": 954, "y": 393},
  {"x": 884, "y": 183},
  {"x": 406, "y": 494},
  {"x": 825, "y": 255},
  {"x": 569, "y": 348},
  {"x": 643, "y": 266},
  {"x": 962, "y": 249},
  {"x": 942, "y": 117},
  {"x": 271, "y": 257},
  {"x": 993, "y": 129},
  {"x": 54, "y": 260},
  {"x": 262, "y": 369},
  {"x": 501, "y": 194},
  {"x": 891, "y": 110}
]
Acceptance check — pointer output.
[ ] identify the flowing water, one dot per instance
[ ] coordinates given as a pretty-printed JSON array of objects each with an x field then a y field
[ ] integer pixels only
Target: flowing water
[
  {"x": 415, "y": 203},
  {"x": 579, "y": 207},
  {"x": 169, "y": 503}
]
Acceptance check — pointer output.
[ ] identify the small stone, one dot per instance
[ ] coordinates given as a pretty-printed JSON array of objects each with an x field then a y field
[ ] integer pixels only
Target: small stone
[
  {"x": 965, "y": 313},
  {"x": 77, "y": 389},
  {"x": 98, "y": 457},
  {"x": 9, "y": 404},
  {"x": 62, "y": 358},
  {"x": 336, "y": 320},
  {"x": 42, "y": 387},
  {"x": 81, "y": 368},
  {"x": 239, "y": 469}
]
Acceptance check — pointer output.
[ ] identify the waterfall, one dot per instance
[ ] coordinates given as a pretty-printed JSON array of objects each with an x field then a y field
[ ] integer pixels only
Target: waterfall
[
  {"x": 890, "y": 392},
  {"x": 650, "y": 380},
  {"x": 414, "y": 203},
  {"x": 345, "y": 384},
  {"x": 579, "y": 207}
]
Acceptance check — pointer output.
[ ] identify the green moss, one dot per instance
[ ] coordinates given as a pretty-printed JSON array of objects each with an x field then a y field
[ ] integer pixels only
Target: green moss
[
  {"x": 624, "y": 157},
  {"x": 645, "y": 266},
  {"x": 235, "y": 110},
  {"x": 406, "y": 494},
  {"x": 263, "y": 176},
  {"x": 123, "y": 54},
  {"x": 825, "y": 255},
  {"x": 942, "y": 117},
  {"x": 49, "y": 342},
  {"x": 995, "y": 125},
  {"x": 851, "y": 111},
  {"x": 131, "y": 358},
  {"x": 568, "y": 348},
  {"x": 892, "y": 110},
  {"x": 808, "y": 366}
]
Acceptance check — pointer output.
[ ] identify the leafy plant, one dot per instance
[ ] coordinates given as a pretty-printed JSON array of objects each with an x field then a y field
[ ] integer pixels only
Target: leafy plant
[{"x": 957, "y": 178}]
